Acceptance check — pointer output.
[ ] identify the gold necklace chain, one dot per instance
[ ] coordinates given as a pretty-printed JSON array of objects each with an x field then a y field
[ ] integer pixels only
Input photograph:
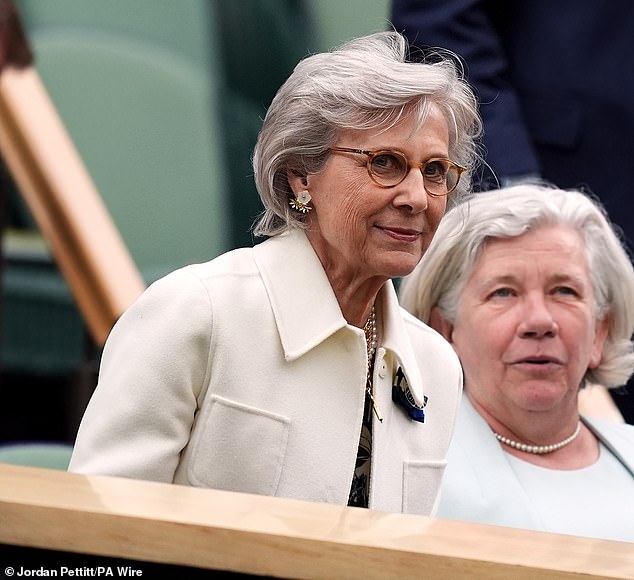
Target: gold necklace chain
[{"x": 371, "y": 341}]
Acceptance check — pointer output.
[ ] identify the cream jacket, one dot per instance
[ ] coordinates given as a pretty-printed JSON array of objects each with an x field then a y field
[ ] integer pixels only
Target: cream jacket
[{"x": 242, "y": 374}]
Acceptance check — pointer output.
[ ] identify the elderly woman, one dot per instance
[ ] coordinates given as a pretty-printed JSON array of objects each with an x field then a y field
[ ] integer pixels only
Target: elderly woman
[
  {"x": 535, "y": 291},
  {"x": 289, "y": 369}
]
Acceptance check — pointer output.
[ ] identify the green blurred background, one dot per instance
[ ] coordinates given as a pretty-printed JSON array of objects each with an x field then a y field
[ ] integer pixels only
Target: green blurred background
[{"x": 163, "y": 100}]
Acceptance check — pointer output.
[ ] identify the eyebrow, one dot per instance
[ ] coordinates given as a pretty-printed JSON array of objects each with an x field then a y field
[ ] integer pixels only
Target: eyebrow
[
  {"x": 400, "y": 149},
  {"x": 571, "y": 278},
  {"x": 555, "y": 279},
  {"x": 489, "y": 281}
]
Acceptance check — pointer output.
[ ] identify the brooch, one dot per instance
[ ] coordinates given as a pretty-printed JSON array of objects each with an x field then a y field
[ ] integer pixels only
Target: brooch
[{"x": 402, "y": 396}]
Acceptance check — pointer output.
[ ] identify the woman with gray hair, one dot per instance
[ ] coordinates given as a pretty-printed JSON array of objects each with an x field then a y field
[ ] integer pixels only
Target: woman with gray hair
[
  {"x": 534, "y": 289},
  {"x": 289, "y": 368}
]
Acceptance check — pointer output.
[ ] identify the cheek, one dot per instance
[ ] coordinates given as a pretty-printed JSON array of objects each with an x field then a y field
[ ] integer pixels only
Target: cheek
[
  {"x": 345, "y": 211},
  {"x": 344, "y": 195},
  {"x": 354, "y": 201},
  {"x": 339, "y": 212},
  {"x": 436, "y": 208},
  {"x": 435, "y": 211},
  {"x": 479, "y": 338},
  {"x": 345, "y": 224}
]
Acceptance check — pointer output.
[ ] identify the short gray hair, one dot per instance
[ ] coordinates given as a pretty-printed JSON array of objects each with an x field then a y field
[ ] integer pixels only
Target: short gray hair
[
  {"x": 367, "y": 83},
  {"x": 438, "y": 279}
]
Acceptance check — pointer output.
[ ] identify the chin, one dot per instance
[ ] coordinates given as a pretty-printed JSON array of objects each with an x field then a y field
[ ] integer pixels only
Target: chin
[
  {"x": 543, "y": 400},
  {"x": 400, "y": 267},
  {"x": 398, "y": 272}
]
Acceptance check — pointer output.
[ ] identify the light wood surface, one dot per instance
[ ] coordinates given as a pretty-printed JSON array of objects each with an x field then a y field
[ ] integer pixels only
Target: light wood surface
[
  {"x": 171, "y": 524},
  {"x": 64, "y": 202}
]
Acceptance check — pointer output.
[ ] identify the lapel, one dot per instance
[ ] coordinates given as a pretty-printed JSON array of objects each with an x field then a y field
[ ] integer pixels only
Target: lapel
[
  {"x": 615, "y": 437},
  {"x": 306, "y": 310},
  {"x": 395, "y": 338},
  {"x": 303, "y": 302},
  {"x": 498, "y": 495}
]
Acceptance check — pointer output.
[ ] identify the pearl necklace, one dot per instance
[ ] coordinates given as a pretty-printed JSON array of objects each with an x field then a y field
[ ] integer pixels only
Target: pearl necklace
[
  {"x": 538, "y": 449},
  {"x": 371, "y": 341}
]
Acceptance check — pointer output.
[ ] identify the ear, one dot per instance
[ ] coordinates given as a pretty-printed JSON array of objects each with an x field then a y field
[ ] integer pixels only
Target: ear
[
  {"x": 297, "y": 182},
  {"x": 600, "y": 336},
  {"x": 439, "y": 323}
]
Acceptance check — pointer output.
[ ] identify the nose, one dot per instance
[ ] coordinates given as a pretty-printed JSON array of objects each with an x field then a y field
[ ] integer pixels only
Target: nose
[
  {"x": 411, "y": 194},
  {"x": 537, "y": 320}
]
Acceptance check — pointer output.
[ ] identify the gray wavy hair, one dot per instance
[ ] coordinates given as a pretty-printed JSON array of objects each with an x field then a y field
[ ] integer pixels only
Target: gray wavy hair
[
  {"x": 367, "y": 83},
  {"x": 438, "y": 279}
]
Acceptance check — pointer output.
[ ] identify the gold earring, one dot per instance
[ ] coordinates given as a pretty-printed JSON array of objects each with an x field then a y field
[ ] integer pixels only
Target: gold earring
[{"x": 300, "y": 203}]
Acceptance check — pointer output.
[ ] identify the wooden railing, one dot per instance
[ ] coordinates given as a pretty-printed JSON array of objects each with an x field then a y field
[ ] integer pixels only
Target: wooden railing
[
  {"x": 64, "y": 202},
  {"x": 153, "y": 524}
]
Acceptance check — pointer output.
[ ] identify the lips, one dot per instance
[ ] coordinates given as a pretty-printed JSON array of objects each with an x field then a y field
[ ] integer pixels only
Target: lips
[
  {"x": 403, "y": 234},
  {"x": 539, "y": 360}
]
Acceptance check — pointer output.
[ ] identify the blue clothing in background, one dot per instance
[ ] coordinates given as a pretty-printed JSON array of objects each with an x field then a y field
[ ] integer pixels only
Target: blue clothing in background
[{"x": 555, "y": 81}]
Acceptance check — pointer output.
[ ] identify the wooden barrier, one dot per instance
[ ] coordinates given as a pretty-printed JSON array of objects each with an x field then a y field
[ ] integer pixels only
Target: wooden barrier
[
  {"x": 64, "y": 202},
  {"x": 153, "y": 523}
]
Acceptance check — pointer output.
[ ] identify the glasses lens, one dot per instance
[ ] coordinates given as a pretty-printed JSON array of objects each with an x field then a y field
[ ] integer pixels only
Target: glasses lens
[
  {"x": 440, "y": 176},
  {"x": 388, "y": 168}
]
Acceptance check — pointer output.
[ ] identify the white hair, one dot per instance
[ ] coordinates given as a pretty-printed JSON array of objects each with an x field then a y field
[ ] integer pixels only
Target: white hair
[
  {"x": 438, "y": 279},
  {"x": 367, "y": 83}
]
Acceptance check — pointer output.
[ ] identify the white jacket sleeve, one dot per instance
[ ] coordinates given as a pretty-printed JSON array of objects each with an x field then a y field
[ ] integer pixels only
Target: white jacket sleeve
[{"x": 154, "y": 365}]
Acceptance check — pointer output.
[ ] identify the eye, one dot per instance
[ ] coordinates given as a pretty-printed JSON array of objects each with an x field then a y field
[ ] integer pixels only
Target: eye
[
  {"x": 501, "y": 293},
  {"x": 387, "y": 164},
  {"x": 435, "y": 171},
  {"x": 566, "y": 291}
]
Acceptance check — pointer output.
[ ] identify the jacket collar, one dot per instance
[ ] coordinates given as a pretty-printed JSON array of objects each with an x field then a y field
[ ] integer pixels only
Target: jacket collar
[
  {"x": 396, "y": 339},
  {"x": 306, "y": 310},
  {"x": 615, "y": 437},
  {"x": 611, "y": 433},
  {"x": 303, "y": 302}
]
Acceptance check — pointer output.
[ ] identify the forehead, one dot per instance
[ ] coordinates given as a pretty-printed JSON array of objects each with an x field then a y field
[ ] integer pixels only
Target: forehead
[
  {"x": 555, "y": 249},
  {"x": 408, "y": 129}
]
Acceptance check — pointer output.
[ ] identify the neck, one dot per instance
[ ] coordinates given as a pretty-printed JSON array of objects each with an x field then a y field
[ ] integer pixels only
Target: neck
[{"x": 530, "y": 432}]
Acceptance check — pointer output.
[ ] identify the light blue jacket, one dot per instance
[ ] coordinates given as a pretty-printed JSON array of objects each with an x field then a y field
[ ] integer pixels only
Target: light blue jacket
[{"x": 480, "y": 484}]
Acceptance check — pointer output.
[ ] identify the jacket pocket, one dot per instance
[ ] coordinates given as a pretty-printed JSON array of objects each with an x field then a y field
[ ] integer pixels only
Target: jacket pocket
[
  {"x": 421, "y": 486},
  {"x": 238, "y": 448}
]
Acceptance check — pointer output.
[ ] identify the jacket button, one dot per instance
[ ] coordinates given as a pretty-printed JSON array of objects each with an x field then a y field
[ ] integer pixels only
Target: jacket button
[{"x": 383, "y": 370}]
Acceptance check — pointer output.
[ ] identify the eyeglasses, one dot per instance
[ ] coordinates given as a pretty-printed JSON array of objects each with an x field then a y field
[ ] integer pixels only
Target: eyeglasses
[{"x": 389, "y": 168}]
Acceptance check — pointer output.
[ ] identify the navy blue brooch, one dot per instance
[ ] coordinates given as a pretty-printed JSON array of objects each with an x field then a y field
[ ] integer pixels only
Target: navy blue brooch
[{"x": 402, "y": 396}]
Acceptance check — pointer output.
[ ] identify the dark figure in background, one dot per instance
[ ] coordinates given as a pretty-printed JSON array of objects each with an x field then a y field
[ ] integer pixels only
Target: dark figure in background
[{"x": 556, "y": 87}]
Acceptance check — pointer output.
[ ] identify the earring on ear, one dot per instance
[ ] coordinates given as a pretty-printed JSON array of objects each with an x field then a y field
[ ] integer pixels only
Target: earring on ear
[{"x": 300, "y": 203}]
